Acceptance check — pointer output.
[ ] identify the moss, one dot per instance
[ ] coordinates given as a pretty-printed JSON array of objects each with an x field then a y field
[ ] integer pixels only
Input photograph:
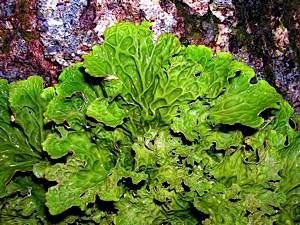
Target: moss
[
  {"x": 23, "y": 6},
  {"x": 289, "y": 10},
  {"x": 28, "y": 36},
  {"x": 24, "y": 17},
  {"x": 4, "y": 44},
  {"x": 256, "y": 16},
  {"x": 241, "y": 36},
  {"x": 193, "y": 23}
]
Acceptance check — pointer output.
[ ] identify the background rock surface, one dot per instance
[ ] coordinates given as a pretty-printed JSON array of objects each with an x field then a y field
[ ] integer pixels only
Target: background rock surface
[{"x": 43, "y": 36}]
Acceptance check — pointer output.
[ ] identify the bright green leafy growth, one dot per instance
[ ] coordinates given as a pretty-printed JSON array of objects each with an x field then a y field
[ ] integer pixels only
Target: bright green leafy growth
[
  {"x": 243, "y": 102},
  {"x": 153, "y": 80},
  {"x": 148, "y": 132},
  {"x": 85, "y": 169},
  {"x": 25, "y": 203},
  {"x": 28, "y": 107},
  {"x": 16, "y": 152},
  {"x": 108, "y": 113},
  {"x": 72, "y": 95}
]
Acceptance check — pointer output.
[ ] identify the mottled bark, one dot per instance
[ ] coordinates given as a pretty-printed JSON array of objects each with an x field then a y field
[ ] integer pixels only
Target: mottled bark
[{"x": 43, "y": 36}]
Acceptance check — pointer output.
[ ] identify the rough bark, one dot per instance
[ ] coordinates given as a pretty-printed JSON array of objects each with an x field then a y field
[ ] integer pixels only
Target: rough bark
[{"x": 43, "y": 36}]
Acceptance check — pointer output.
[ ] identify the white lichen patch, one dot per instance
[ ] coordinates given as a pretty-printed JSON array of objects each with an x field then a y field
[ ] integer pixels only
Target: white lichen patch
[
  {"x": 223, "y": 10},
  {"x": 162, "y": 21},
  {"x": 61, "y": 24},
  {"x": 222, "y": 40},
  {"x": 199, "y": 7},
  {"x": 281, "y": 37},
  {"x": 105, "y": 21}
]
